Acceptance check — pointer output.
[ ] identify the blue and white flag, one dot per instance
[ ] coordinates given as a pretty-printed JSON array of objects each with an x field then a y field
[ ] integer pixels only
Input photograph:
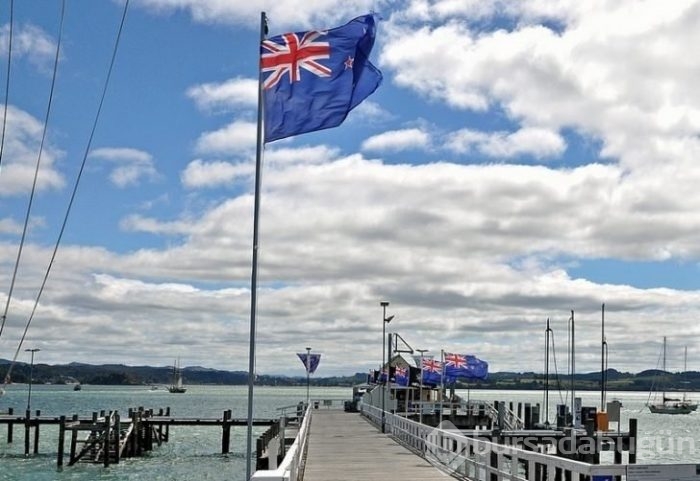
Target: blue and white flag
[
  {"x": 313, "y": 79},
  {"x": 432, "y": 371},
  {"x": 314, "y": 359},
  {"x": 464, "y": 366},
  {"x": 402, "y": 376}
]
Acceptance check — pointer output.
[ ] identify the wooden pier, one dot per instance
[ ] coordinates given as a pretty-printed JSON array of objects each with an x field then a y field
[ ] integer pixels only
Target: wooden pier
[
  {"x": 345, "y": 446},
  {"x": 107, "y": 437}
]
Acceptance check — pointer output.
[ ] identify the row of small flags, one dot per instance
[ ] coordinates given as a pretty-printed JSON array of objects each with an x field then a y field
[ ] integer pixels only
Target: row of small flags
[{"x": 434, "y": 372}]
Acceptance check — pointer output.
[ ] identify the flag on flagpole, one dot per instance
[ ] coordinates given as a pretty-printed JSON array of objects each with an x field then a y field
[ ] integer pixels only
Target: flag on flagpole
[
  {"x": 314, "y": 359},
  {"x": 432, "y": 371},
  {"x": 312, "y": 80},
  {"x": 402, "y": 376},
  {"x": 465, "y": 366}
]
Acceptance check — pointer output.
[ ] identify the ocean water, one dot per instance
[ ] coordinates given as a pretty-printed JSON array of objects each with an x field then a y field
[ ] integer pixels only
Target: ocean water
[
  {"x": 661, "y": 438},
  {"x": 193, "y": 453}
]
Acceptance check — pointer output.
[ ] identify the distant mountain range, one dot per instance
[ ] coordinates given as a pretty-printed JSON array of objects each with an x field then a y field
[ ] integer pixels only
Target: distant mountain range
[{"x": 120, "y": 374}]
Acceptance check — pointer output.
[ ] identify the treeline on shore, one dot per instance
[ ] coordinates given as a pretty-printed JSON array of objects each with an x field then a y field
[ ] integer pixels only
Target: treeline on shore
[{"x": 119, "y": 374}]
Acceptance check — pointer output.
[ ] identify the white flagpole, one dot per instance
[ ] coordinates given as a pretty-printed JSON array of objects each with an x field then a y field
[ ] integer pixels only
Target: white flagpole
[{"x": 254, "y": 270}]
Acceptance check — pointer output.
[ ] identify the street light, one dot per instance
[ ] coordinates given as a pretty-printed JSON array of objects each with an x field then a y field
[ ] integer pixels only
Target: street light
[
  {"x": 31, "y": 373},
  {"x": 420, "y": 395},
  {"x": 385, "y": 321}
]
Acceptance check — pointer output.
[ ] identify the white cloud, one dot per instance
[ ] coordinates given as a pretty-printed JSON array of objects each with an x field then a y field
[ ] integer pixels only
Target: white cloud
[
  {"x": 236, "y": 138},
  {"x": 610, "y": 72},
  {"x": 298, "y": 13},
  {"x": 199, "y": 173},
  {"x": 131, "y": 165},
  {"x": 533, "y": 141},
  {"x": 318, "y": 154},
  {"x": 20, "y": 154},
  {"x": 370, "y": 111},
  {"x": 225, "y": 96},
  {"x": 397, "y": 140},
  {"x": 31, "y": 42}
]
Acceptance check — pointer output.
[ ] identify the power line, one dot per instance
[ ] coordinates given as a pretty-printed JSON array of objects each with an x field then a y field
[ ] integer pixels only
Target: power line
[
  {"x": 7, "y": 83},
  {"x": 36, "y": 169},
  {"x": 75, "y": 185}
]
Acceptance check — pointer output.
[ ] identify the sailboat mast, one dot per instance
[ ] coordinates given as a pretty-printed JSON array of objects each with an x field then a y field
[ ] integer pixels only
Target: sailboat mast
[
  {"x": 685, "y": 368},
  {"x": 664, "y": 368},
  {"x": 573, "y": 368}
]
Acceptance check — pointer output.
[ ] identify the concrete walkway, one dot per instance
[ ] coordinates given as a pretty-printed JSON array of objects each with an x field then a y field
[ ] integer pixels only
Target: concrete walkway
[{"x": 346, "y": 447}]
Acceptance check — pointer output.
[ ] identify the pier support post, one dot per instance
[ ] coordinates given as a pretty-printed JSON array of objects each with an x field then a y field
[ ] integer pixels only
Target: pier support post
[
  {"x": 134, "y": 433},
  {"x": 528, "y": 416},
  {"x": 167, "y": 427},
  {"x": 618, "y": 454},
  {"x": 107, "y": 428},
  {"x": 10, "y": 426},
  {"x": 633, "y": 441},
  {"x": 73, "y": 440},
  {"x": 61, "y": 441},
  {"x": 283, "y": 441},
  {"x": 27, "y": 420},
  {"x": 36, "y": 433},
  {"x": 160, "y": 427},
  {"x": 226, "y": 432},
  {"x": 117, "y": 436}
]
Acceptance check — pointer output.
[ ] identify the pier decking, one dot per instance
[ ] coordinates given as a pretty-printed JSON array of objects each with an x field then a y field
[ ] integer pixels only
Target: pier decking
[{"x": 346, "y": 447}]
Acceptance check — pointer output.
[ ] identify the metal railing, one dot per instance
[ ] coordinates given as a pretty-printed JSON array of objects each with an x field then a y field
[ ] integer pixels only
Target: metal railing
[
  {"x": 289, "y": 468},
  {"x": 480, "y": 459}
]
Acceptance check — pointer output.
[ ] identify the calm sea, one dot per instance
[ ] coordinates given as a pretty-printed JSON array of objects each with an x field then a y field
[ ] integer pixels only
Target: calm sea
[{"x": 194, "y": 452}]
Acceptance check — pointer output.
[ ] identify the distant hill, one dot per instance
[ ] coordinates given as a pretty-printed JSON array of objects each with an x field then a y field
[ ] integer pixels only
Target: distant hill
[{"x": 120, "y": 374}]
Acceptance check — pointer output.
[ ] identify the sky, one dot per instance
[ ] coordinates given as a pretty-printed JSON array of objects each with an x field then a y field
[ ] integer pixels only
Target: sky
[{"x": 521, "y": 159}]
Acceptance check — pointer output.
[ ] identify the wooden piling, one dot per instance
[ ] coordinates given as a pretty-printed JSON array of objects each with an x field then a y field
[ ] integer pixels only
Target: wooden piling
[
  {"x": 167, "y": 428},
  {"x": 633, "y": 441},
  {"x": 73, "y": 440},
  {"x": 27, "y": 421},
  {"x": 10, "y": 426},
  {"x": 134, "y": 432},
  {"x": 117, "y": 436},
  {"x": 160, "y": 428},
  {"x": 106, "y": 444},
  {"x": 226, "y": 432},
  {"x": 36, "y": 433},
  {"x": 61, "y": 441}
]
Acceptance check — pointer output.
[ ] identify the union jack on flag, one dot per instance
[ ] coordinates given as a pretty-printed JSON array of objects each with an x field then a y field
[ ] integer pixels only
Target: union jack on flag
[
  {"x": 311, "y": 80},
  {"x": 288, "y": 54},
  {"x": 455, "y": 360},
  {"x": 400, "y": 371},
  {"x": 431, "y": 365}
]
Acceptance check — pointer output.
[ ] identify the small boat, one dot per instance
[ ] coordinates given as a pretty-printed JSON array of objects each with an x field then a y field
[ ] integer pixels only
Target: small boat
[
  {"x": 176, "y": 386},
  {"x": 77, "y": 387}
]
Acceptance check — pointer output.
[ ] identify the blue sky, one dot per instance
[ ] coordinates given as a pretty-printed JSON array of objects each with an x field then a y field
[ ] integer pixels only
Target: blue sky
[{"x": 521, "y": 159}]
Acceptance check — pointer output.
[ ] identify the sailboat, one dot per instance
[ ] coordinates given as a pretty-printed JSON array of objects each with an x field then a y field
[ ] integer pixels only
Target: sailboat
[
  {"x": 671, "y": 405},
  {"x": 177, "y": 386}
]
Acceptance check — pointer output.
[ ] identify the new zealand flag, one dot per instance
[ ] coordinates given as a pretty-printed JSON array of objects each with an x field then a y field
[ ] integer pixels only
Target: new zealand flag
[{"x": 314, "y": 79}]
